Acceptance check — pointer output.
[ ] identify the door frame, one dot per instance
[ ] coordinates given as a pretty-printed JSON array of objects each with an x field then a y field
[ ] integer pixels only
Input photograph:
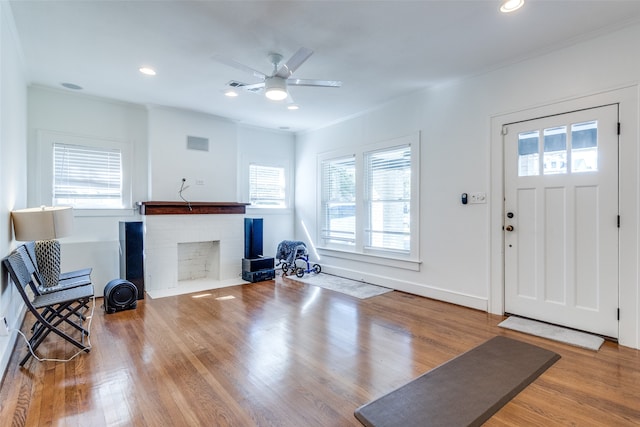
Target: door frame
[{"x": 628, "y": 195}]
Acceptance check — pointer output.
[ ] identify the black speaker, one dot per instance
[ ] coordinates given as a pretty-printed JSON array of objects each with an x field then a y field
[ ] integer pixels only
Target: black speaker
[
  {"x": 132, "y": 254},
  {"x": 252, "y": 238},
  {"x": 259, "y": 276},
  {"x": 120, "y": 294},
  {"x": 255, "y": 264}
]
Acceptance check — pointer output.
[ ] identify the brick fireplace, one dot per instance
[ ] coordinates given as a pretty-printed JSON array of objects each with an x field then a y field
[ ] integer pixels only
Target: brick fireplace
[{"x": 192, "y": 247}]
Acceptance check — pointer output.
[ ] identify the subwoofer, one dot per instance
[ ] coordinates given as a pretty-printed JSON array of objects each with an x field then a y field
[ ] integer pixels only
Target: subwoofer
[{"x": 120, "y": 294}]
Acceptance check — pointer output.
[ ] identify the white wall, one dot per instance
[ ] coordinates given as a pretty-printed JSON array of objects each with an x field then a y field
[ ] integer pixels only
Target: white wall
[
  {"x": 157, "y": 136},
  {"x": 158, "y": 139},
  {"x": 459, "y": 245},
  {"x": 273, "y": 148},
  {"x": 13, "y": 160},
  {"x": 211, "y": 175},
  {"x": 224, "y": 170},
  {"x": 95, "y": 237}
]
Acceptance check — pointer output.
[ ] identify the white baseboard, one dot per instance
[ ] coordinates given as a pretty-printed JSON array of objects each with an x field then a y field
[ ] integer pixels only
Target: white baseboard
[
  {"x": 8, "y": 343},
  {"x": 191, "y": 286},
  {"x": 411, "y": 287}
]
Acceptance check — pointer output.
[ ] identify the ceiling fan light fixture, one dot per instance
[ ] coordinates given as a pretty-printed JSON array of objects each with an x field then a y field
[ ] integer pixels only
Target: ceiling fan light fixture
[
  {"x": 511, "y": 5},
  {"x": 275, "y": 88}
]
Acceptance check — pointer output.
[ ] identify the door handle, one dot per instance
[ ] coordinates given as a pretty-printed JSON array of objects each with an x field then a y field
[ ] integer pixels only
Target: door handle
[{"x": 509, "y": 228}]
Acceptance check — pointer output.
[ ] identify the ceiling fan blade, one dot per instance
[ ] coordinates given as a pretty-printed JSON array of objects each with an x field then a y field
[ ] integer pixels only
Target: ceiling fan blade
[
  {"x": 253, "y": 88},
  {"x": 309, "y": 82},
  {"x": 289, "y": 100},
  {"x": 298, "y": 58},
  {"x": 230, "y": 62}
]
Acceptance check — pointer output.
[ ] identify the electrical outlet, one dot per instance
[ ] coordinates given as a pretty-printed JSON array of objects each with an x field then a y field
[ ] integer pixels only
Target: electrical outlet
[{"x": 4, "y": 326}]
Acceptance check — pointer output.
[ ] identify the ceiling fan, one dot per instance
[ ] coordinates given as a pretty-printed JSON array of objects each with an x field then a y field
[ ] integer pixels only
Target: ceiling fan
[{"x": 275, "y": 86}]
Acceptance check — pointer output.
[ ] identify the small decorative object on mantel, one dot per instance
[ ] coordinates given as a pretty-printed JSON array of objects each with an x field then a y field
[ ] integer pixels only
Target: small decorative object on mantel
[{"x": 191, "y": 208}]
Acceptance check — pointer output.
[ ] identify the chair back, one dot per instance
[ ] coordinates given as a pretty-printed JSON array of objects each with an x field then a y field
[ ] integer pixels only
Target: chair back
[
  {"x": 19, "y": 274},
  {"x": 32, "y": 269}
]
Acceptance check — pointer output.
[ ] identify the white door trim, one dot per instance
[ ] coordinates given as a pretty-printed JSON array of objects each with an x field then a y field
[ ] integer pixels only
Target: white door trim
[{"x": 629, "y": 188}]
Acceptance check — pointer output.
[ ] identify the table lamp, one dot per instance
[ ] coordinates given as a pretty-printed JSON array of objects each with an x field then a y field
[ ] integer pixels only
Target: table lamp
[{"x": 44, "y": 225}]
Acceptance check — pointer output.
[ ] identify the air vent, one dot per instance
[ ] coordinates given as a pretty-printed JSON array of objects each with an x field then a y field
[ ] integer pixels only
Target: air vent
[
  {"x": 197, "y": 143},
  {"x": 234, "y": 83}
]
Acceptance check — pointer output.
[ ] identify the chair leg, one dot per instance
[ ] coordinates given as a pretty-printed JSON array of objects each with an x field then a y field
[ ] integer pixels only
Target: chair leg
[
  {"x": 44, "y": 326},
  {"x": 46, "y": 329}
]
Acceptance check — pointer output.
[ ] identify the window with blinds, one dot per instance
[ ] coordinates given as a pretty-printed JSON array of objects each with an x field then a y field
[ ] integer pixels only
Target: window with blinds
[
  {"x": 87, "y": 177},
  {"x": 338, "y": 202},
  {"x": 388, "y": 198},
  {"x": 369, "y": 200},
  {"x": 267, "y": 187}
]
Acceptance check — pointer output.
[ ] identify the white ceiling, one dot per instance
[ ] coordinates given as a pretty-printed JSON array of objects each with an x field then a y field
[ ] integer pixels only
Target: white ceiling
[{"x": 379, "y": 49}]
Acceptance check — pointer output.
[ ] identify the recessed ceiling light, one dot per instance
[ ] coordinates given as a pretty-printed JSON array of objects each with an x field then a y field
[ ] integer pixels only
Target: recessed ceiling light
[
  {"x": 71, "y": 86},
  {"x": 231, "y": 93},
  {"x": 293, "y": 107},
  {"x": 147, "y": 71},
  {"x": 511, "y": 5}
]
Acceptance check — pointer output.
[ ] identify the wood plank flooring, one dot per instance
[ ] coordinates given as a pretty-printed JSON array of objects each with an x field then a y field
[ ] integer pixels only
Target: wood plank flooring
[{"x": 284, "y": 353}]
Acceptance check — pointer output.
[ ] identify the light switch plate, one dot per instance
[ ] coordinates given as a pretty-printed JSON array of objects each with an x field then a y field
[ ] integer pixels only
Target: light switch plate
[{"x": 478, "y": 198}]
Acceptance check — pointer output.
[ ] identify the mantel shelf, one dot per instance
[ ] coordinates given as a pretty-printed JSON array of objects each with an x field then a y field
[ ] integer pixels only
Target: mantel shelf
[{"x": 191, "y": 208}]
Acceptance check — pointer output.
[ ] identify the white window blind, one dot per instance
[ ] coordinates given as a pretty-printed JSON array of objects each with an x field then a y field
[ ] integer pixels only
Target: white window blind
[
  {"x": 388, "y": 198},
  {"x": 87, "y": 177},
  {"x": 339, "y": 200},
  {"x": 267, "y": 187}
]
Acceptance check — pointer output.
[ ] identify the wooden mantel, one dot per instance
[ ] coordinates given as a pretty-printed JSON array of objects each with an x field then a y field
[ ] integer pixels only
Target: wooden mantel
[{"x": 191, "y": 208}]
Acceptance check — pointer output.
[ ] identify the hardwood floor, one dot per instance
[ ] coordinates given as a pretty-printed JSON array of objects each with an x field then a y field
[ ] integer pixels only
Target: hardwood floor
[{"x": 285, "y": 353}]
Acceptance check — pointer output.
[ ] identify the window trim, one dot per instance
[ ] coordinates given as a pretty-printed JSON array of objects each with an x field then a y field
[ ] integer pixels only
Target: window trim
[
  {"x": 360, "y": 250},
  {"x": 44, "y": 170}
]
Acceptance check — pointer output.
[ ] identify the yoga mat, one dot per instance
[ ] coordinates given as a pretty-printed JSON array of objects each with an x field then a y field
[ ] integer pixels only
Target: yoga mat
[{"x": 465, "y": 391}]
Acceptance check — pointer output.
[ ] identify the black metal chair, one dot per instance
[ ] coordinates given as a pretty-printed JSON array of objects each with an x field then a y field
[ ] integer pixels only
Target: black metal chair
[
  {"x": 37, "y": 284},
  {"x": 51, "y": 310}
]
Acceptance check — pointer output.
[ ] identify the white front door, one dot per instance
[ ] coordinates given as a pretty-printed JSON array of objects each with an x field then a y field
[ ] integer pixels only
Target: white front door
[{"x": 561, "y": 219}]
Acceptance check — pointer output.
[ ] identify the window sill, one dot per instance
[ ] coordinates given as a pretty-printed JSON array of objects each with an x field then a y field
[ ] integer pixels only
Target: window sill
[
  {"x": 104, "y": 212},
  {"x": 269, "y": 211},
  {"x": 388, "y": 261}
]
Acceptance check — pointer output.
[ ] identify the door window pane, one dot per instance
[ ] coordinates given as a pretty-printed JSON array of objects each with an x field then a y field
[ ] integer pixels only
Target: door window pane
[
  {"x": 528, "y": 153},
  {"x": 584, "y": 147},
  {"x": 555, "y": 150}
]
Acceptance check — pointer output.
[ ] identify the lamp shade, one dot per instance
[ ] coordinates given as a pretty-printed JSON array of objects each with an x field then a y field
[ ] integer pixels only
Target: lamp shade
[{"x": 43, "y": 223}]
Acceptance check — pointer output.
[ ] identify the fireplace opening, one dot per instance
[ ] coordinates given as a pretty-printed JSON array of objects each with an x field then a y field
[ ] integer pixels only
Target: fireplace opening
[{"x": 199, "y": 260}]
